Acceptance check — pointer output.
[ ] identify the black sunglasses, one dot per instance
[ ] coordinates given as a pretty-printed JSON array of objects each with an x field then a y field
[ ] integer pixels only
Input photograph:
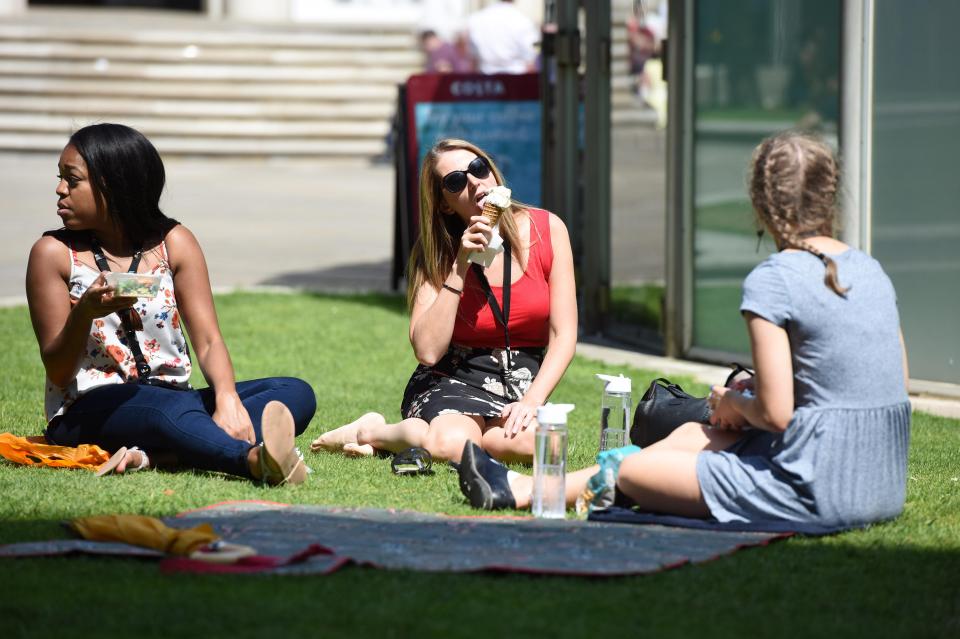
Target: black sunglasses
[{"x": 456, "y": 181}]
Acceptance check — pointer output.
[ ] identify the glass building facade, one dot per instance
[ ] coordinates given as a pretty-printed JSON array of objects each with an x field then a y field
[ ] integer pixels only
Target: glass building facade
[
  {"x": 885, "y": 94},
  {"x": 914, "y": 225},
  {"x": 759, "y": 67}
]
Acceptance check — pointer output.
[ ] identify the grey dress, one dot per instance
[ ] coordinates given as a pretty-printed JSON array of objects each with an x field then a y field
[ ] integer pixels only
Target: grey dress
[{"x": 842, "y": 461}]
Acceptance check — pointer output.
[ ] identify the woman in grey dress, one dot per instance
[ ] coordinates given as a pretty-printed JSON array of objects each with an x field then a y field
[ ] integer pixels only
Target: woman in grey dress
[{"x": 822, "y": 436}]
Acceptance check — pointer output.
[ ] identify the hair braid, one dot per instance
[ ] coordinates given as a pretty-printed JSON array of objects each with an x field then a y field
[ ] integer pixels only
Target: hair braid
[{"x": 793, "y": 188}]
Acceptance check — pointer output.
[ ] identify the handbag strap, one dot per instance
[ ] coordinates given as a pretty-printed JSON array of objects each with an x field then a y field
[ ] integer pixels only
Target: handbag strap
[
  {"x": 125, "y": 315},
  {"x": 672, "y": 388},
  {"x": 737, "y": 369},
  {"x": 501, "y": 315}
]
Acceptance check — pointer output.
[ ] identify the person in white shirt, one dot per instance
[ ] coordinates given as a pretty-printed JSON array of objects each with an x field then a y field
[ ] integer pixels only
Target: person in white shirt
[{"x": 503, "y": 39}]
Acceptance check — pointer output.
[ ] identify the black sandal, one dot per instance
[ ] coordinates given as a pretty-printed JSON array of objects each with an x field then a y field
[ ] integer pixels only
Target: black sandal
[{"x": 412, "y": 461}]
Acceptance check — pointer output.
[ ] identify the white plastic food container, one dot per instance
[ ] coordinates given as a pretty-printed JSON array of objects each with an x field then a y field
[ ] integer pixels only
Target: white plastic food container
[{"x": 134, "y": 284}]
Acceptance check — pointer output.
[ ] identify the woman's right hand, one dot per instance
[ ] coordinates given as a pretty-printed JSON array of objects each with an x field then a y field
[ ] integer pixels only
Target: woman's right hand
[
  {"x": 476, "y": 237},
  {"x": 99, "y": 300},
  {"x": 723, "y": 413}
]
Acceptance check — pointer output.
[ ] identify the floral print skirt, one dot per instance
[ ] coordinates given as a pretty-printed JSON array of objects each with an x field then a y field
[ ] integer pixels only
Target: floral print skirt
[{"x": 470, "y": 381}]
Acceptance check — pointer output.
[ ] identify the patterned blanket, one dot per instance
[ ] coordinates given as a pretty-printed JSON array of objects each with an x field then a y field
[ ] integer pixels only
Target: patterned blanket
[{"x": 318, "y": 540}]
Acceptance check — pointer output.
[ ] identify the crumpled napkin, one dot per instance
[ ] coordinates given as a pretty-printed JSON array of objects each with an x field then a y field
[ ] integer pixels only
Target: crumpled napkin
[{"x": 148, "y": 532}]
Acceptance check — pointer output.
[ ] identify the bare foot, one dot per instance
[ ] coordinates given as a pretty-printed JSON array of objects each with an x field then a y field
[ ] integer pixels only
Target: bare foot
[
  {"x": 124, "y": 460},
  {"x": 336, "y": 439},
  {"x": 522, "y": 488},
  {"x": 132, "y": 460},
  {"x": 358, "y": 450}
]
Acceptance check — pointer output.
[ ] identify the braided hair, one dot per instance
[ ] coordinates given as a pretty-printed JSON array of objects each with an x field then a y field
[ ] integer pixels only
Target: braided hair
[{"x": 794, "y": 188}]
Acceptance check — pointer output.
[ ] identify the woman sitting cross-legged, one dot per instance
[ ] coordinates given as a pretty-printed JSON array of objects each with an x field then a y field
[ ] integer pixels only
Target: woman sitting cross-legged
[
  {"x": 479, "y": 333},
  {"x": 823, "y": 437},
  {"x": 116, "y": 358}
]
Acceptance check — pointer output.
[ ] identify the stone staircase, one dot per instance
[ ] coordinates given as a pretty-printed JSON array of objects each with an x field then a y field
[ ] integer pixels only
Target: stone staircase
[{"x": 216, "y": 88}]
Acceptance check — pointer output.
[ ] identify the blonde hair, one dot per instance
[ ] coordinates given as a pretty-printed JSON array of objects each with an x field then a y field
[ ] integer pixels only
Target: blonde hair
[
  {"x": 794, "y": 189},
  {"x": 438, "y": 242}
]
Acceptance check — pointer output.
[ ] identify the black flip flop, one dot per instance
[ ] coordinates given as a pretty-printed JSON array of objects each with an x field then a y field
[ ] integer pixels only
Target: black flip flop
[{"x": 412, "y": 461}]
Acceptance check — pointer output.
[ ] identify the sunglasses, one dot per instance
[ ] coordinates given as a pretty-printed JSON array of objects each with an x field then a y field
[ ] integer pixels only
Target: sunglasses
[{"x": 456, "y": 181}]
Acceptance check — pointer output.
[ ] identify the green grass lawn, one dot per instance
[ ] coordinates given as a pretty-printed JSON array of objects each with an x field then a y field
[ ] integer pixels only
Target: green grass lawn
[{"x": 891, "y": 580}]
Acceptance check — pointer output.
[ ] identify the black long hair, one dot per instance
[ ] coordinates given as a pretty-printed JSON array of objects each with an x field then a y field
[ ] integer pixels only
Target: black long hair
[{"x": 125, "y": 169}]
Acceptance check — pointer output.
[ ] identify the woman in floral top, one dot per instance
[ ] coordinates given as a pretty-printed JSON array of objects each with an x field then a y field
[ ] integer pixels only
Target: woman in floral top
[{"x": 135, "y": 398}]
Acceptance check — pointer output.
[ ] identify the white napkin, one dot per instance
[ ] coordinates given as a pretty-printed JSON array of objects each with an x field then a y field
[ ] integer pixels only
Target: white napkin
[{"x": 485, "y": 257}]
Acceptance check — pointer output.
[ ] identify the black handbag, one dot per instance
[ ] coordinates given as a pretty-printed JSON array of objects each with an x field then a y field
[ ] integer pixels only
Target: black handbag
[{"x": 665, "y": 406}]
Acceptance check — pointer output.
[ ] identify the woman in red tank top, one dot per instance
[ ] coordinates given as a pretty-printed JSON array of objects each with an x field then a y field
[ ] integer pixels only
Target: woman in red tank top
[{"x": 492, "y": 342}]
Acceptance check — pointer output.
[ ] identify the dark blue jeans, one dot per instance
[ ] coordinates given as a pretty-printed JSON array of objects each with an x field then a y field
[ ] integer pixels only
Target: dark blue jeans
[{"x": 177, "y": 423}]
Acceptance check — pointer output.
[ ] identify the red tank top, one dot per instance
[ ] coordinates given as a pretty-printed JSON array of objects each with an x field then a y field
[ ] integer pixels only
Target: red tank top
[{"x": 529, "y": 321}]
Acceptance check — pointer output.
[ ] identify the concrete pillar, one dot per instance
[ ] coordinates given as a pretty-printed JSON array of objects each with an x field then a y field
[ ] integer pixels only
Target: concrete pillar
[
  {"x": 12, "y": 7},
  {"x": 595, "y": 212},
  {"x": 213, "y": 9},
  {"x": 678, "y": 314},
  {"x": 856, "y": 122},
  {"x": 257, "y": 10},
  {"x": 567, "y": 202}
]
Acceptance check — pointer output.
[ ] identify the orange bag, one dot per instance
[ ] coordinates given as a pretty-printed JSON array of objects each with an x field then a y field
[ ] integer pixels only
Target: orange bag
[{"x": 34, "y": 451}]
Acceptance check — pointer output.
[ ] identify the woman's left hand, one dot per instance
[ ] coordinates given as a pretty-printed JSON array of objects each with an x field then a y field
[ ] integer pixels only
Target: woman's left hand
[
  {"x": 232, "y": 416},
  {"x": 723, "y": 413},
  {"x": 517, "y": 416}
]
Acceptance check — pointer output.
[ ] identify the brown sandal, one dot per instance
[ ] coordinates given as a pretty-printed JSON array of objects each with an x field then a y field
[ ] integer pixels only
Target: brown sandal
[
  {"x": 280, "y": 461},
  {"x": 111, "y": 464}
]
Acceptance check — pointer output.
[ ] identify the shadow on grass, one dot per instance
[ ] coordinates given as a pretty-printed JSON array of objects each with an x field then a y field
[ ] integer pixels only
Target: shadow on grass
[
  {"x": 799, "y": 587},
  {"x": 359, "y": 276},
  {"x": 32, "y": 530}
]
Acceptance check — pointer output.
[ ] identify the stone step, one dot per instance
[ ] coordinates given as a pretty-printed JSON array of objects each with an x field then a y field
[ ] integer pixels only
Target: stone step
[
  {"x": 103, "y": 69},
  {"x": 154, "y": 88},
  {"x": 212, "y": 90},
  {"x": 198, "y": 88},
  {"x": 132, "y": 19},
  {"x": 263, "y": 38},
  {"x": 192, "y": 54},
  {"x": 233, "y": 45},
  {"x": 106, "y": 107},
  {"x": 108, "y": 68},
  {"x": 406, "y": 58},
  {"x": 625, "y": 110},
  {"x": 213, "y": 127},
  {"x": 214, "y": 146}
]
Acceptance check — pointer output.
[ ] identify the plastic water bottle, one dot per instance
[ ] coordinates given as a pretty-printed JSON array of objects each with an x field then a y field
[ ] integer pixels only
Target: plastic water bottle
[
  {"x": 615, "y": 408},
  {"x": 550, "y": 462}
]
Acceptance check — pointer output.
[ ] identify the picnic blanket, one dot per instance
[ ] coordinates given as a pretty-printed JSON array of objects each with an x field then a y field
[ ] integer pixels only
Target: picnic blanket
[
  {"x": 621, "y": 515},
  {"x": 318, "y": 540}
]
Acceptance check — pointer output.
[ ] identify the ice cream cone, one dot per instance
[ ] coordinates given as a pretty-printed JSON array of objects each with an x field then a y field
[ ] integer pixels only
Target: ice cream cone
[
  {"x": 492, "y": 213},
  {"x": 496, "y": 201}
]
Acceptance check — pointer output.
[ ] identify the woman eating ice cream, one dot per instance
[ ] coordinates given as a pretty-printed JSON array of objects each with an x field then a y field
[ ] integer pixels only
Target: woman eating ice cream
[{"x": 493, "y": 325}]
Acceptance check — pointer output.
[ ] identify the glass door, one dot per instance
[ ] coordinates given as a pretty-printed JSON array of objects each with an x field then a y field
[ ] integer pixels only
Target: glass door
[
  {"x": 915, "y": 224},
  {"x": 759, "y": 67}
]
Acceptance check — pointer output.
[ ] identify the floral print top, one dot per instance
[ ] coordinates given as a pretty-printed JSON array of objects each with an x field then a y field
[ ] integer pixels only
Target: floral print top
[{"x": 108, "y": 359}]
